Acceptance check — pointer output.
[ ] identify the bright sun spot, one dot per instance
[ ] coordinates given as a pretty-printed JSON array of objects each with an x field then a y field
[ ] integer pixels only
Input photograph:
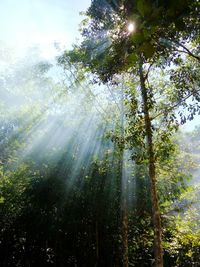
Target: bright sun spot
[{"x": 131, "y": 27}]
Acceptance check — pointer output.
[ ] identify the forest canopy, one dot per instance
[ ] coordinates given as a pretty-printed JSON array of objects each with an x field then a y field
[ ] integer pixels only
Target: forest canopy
[{"x": 95, "y": 167}]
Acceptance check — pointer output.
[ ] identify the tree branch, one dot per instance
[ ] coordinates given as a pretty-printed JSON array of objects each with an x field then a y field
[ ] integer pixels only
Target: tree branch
[
  {"x": 187, "y": 51},
  {"x": 174, "y": 106}
]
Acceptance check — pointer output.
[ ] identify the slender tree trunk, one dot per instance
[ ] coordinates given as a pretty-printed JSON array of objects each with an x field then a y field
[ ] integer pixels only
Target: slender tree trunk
[
  {"x": 158, "y": 250},
  {"x": 124, "y": 210}
]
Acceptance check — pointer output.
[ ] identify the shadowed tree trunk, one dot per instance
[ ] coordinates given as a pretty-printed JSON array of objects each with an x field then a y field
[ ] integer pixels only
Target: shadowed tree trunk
[{"x": 158, "y": 250}]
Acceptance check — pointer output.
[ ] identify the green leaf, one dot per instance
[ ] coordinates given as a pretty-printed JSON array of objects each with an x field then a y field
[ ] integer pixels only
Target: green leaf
[
  {"x": 2, "y": 199},
  {"x": 138, "y": 37},
  {"x": 131, "y": 59},
  {"x": 144, "y": 7},
  {"x": 156, "y": 15},
  {"x": 147, "y": 49}
]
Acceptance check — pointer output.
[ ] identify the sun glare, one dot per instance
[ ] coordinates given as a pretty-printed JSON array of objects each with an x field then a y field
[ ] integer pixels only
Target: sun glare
[{"x": 131, "y": 27}]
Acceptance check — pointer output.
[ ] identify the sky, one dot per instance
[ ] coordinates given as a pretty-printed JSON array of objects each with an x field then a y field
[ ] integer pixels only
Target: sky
[{"x": 26, "y": 23}]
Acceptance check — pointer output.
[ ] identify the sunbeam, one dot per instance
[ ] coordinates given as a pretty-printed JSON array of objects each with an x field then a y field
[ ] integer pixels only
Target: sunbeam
[{"x": 96, "y": 167}]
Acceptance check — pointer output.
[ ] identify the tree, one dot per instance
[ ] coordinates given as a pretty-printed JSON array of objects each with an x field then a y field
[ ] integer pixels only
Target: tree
[{"x": 161, "y": 28}]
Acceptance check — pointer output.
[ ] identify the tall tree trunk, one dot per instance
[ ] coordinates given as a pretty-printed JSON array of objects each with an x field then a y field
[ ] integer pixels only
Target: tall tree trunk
[
  {"x": 158, "y": 250},
  {"x": 124, "y": 209}
]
